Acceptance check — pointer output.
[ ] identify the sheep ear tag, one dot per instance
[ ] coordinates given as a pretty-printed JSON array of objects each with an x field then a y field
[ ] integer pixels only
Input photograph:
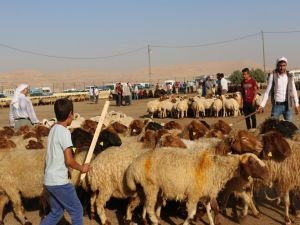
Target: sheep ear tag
[
  {"x": 270, "y": 154},
  {"x": 250, "y": 179},
  {"x": 73, "y": 149},
  {"x": 101, "y": 143}
]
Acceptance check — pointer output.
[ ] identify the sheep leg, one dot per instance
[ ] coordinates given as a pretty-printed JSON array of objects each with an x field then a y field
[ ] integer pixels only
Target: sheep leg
[
  {"x": 134, "y": 201},
  {"x": 92, "y": 201},
  {"x": 248, "y": 201},
  {"x": 191, "y": 210},
  {"x": 101, "y": 200},
  {"x": 3, "y": 201},
  {"x": 209, "y": 215},
  {"x": 160, "y": 202},
  {"x": 287, "y": 206},
  {"x": 151, "y": 193},
  {"x": 15, "y": 198},
  {"x": 225, "y": 200}
]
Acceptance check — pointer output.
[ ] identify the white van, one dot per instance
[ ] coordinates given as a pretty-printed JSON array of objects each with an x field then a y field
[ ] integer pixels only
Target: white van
[
  {"x": 47, "y": 91},
  {"x": 166, "y": 82}
]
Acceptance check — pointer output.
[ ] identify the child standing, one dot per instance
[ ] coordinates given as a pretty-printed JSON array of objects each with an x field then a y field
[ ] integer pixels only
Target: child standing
[
  {"x": 249, "y": 91},
  {"x": 58, "y": 159}
]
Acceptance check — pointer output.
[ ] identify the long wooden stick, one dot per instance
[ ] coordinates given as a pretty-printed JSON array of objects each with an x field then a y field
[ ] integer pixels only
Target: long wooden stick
[
  {"x": 245, "y": 117},
  {"x": 95, "y": 138}
]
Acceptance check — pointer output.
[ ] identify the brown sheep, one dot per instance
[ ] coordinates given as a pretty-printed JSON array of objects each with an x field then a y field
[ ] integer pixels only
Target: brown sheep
[
  {"x": 6, "y": 144},
  {"x": 136, "y": 127},
  {"x": 224, "y": 127},
  {"x": 7, "y": 131},
  {"x": 171, "y": 140},
  {"x": 34, "y": 145},
  {"x": 194, "y": 130},
  {"x": 173, "y": 125}
]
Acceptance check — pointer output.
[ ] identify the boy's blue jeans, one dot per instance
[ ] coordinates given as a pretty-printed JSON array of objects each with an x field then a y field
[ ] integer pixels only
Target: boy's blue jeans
[{"x": 63, "y": 197}]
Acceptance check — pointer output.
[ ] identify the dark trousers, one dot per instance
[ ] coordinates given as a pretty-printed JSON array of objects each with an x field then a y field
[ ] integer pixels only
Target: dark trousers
[
  {"x": 248, "y": 109},
  {"x": 118, "y": 100}
]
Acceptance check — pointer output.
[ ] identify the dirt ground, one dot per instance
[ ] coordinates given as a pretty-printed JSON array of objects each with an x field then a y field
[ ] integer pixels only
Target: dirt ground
[{"x": 270, "y": 214}]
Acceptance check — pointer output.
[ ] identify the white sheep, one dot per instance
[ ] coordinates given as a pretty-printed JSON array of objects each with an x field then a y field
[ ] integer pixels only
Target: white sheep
[
  {"x": 21, "y": 173},
  {"x": 182, "y": 108},
  {"x": 152, "y": 107},
  {"x": 182, "y": 174},
  {"x": 107, "y": 174},
  {"x": 217, "y": 107}
]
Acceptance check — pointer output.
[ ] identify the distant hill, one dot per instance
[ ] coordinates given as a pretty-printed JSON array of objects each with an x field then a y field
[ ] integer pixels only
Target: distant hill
[{"x": 81, "y": 78}]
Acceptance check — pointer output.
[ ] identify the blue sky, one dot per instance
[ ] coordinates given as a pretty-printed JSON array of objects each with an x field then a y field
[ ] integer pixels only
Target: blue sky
[{"x": 93, "y": 28}]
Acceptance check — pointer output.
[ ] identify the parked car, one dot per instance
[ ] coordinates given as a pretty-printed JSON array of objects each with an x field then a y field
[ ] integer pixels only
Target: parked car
[{"x": 2, "y": 95}]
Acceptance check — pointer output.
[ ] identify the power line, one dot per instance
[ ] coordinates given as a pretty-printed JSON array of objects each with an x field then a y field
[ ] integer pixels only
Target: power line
[
  {"x": 144, "y": 47},
  {"x": 208, "y": 44},
  {"x": 70, "y": 57},
  {"x": 282, "y": 32}
]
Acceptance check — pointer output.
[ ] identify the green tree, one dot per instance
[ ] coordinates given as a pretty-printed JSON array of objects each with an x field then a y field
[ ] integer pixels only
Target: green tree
[
  {"x": 258, "y": 75},
  {"x": 236, "y": 77}
]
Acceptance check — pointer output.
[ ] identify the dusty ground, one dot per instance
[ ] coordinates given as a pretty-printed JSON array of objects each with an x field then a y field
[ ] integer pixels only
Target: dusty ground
[{"x": 271, "y": 215}]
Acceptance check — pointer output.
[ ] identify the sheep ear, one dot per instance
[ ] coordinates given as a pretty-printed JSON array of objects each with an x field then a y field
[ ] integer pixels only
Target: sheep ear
[{"x": 45, "y": 122}]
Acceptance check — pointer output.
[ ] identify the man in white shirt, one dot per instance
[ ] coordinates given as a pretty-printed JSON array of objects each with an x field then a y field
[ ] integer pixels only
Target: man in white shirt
[
  {"x": 284, "y": 95},
  {"x": 21, "y": 111},
  {"x": 96, "y": 95}
]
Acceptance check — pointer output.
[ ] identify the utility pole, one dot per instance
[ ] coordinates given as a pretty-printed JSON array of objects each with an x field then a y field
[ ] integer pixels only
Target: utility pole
[
  {"x": 263, "y": 49},
  {"x": 149, "y": 62}
]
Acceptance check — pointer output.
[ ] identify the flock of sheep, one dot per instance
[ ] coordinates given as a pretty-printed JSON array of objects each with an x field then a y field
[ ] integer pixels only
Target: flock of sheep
[
  {"x": 178, "y": 107},
  {"x": 150, "y": 163}
]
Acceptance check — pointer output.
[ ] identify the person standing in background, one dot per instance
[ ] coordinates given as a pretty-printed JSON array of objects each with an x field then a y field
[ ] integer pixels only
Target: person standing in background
[
  {"x": 119, "y": 93},
  {"x": 222, "y": 84},
  {"x": 96, "y": 95},
  {"x": 249, "y": 91},
  {"x": 21, "y": 111},
  {"x": 91, "y": 94}
]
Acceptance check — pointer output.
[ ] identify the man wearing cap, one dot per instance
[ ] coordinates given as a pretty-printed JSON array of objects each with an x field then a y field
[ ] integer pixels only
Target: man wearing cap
[
  {"x": 284, "y": 95},
  {"x": 21, "y": 111}
]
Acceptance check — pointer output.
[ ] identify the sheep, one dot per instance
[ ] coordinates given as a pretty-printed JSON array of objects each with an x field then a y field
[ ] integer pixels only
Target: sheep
[
  {"x": 182, "y": 108},
  {"x": 208, "y": 102},
  {"x": 82, "y": 140},
  {"x": 21, "y": 173},
  {"x": 166, "y": 107},
  {"x": 275, "y": 149},
  {"x": 107, "y": 174},
  {"x": 217, "y": 107},
  {"x": 136, "y": 127},
  {"x": 198, "y": 107},
  {"x": 230, "y": 106},
  {"x": 284, "y": 170},
  {"x": 187, "y": 175},
  {"x": 77, "y": 121},
  {"x": 152, "y": 107},
  {"x": 194, "y": 130}
]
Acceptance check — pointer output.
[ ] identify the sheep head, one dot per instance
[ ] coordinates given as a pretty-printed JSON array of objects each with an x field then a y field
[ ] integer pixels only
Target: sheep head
[
  {"x": 252, "y": 167},
  {"x": 246, "y": 142},
  {"x": 136, "y": 127},
  {"x": 170, "y": 140},
  {"x": 275, "y": 147},
  {"x": 173, "y": 125}
]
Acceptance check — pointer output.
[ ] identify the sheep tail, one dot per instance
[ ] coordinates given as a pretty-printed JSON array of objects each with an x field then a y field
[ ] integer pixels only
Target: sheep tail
[{"x": 277, "y": 199}]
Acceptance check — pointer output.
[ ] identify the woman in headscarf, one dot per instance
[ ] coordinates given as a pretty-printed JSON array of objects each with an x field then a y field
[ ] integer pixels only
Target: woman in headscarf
[{"x": 21, "y": 111}]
